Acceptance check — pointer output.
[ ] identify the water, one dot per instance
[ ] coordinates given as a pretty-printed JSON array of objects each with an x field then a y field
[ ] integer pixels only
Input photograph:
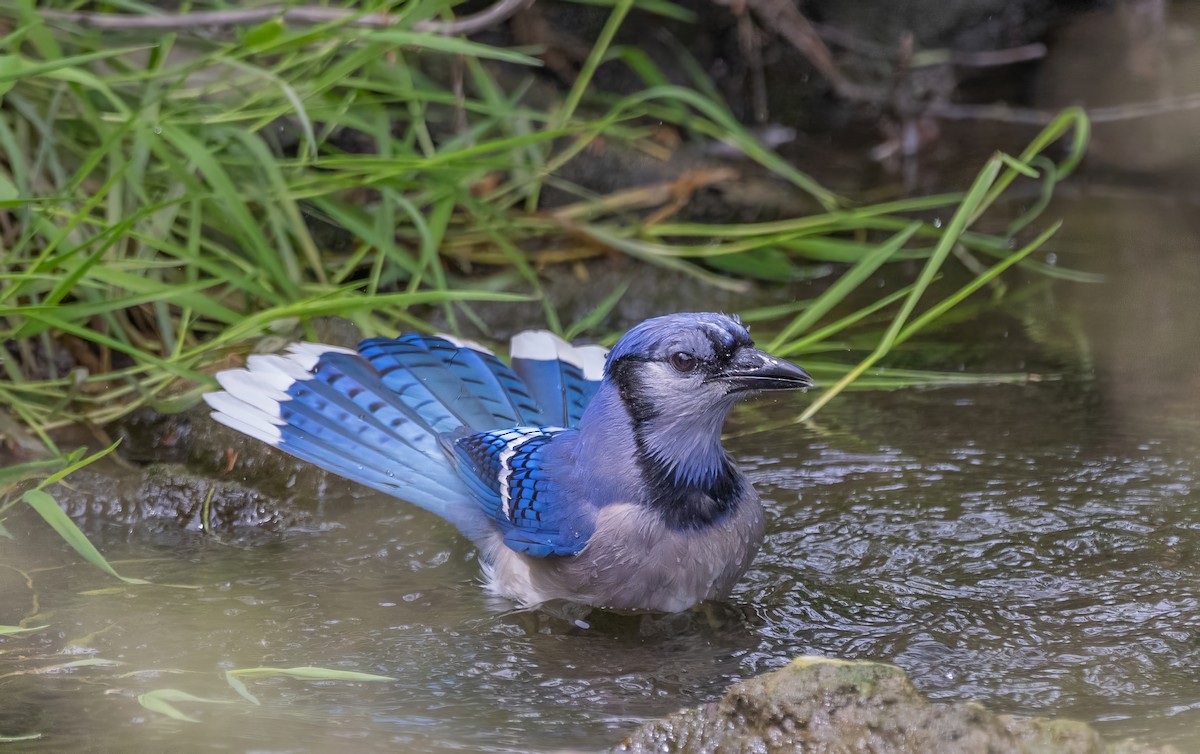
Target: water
[
  {"x": 1008, "y": 547},
  {"x": 1032, "y": 547}
]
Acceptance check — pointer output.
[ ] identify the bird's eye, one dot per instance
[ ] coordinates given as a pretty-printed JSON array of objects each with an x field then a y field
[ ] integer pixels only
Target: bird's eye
[{"x": 683, "y": 361}]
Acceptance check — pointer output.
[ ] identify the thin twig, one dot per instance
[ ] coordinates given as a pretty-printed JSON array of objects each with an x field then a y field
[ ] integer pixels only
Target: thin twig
[
  {"x": 787, "y": 21},
  {"x": 458, "y": 74},
  {"x": 1006, "y": 56},
  {"x": 644, "y": 197},
  {"x": 485, "y": 19},
  {"x": 1113, "y": 114},
  {"x": 854, "y": 43},
  {"x": 998, "y": 112},
  {"x": 751, "y": 46},
  {"x": 982, "y": 59}
]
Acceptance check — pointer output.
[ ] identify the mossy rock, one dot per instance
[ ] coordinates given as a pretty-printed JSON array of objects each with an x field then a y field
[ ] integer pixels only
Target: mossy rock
[{"x": 819, "y": 705}]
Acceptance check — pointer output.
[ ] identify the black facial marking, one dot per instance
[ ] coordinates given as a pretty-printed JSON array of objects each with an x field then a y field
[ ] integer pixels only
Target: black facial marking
[
  {"x": 681, "y": 505},
  {"x": 689, "y": 505},
  {"x": 719, "y": 353},
  {"x": 625, "y": 376},
  {"x": 724, "y": 348}
]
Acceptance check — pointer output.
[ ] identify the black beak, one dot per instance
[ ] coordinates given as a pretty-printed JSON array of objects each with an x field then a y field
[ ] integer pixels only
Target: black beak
[{"x": 753, "y": 370}]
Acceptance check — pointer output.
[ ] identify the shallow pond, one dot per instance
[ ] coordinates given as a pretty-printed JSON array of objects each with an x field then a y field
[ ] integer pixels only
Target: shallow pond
[{"x": 1032, "y": 547}]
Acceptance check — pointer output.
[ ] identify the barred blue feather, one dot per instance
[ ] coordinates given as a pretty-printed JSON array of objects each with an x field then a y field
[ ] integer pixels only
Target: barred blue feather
[{"x": 507, "y": 471}]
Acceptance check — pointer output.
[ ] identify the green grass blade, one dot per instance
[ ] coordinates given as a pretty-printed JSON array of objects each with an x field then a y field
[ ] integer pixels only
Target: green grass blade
[
  {"x": 837, "y": 292},
  {"x": 966, "y": 212},
  {"x": 980, "y": 280},
  {"x": 10, "y": 475},
  {"x": 342, "y": 306},
  {"x": 74, "y": 463},
  {"x": 308, "y": 672},
  {"x": 86, "y": 333},
  {"x": 449, "y": 45},
  {"x": 823, "y": 334},
  {"x": 620, "y": 9},
  {"x": 1071, "y": 120},
  {"x": 13, "y": 630},
  {"x": 725, "y": 127},
  {"x": 594, "y": 317},
  {"x": 163, "y": 702},
  {"x": 48, "y": 509},
  {"x": 662, "y": 256},
  {"x": 25, "y": 68},
  {"x": 236, "y": 684}
]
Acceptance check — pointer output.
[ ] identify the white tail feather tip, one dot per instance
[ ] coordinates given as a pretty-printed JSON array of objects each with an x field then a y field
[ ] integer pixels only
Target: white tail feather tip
[
  {"x": 307, "y": 354},
  {"x": 594, "y": 358},
  {"x": 543, "y": 345},
  {"x": 256, "y": 388}
]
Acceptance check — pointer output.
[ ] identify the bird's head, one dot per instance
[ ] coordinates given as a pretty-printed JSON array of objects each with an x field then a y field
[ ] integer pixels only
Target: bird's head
[
  {"x": 694, "y": 364},
  {"x": 676, "y": 378}
]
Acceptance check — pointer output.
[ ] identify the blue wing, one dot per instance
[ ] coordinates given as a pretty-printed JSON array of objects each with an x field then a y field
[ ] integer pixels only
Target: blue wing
[{"x": 506, "y": 471}]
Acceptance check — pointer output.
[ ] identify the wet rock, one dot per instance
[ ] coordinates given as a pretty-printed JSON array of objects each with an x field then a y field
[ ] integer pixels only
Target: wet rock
[
  {"x": 818, "y": 704},
  {"x": 194, "y": 440},
  {"x": 108, "y": 495}
]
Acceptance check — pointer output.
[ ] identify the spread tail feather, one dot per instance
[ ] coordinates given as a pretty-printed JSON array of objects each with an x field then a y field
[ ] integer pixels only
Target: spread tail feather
[
  {"x": 328, "y": 406},
  {"x": 561, "y": 377},
  {"x": 380, "y": 415}
]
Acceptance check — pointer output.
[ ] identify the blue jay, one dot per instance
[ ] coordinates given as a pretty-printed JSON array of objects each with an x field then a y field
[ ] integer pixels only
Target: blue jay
[{"x": 598, "y": 480}]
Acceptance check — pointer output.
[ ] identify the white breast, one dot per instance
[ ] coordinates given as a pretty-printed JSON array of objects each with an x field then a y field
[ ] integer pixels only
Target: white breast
[{"x": 634, "y": 562}]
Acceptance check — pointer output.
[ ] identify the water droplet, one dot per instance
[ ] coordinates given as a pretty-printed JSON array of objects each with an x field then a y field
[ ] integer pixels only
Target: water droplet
[{"x": 157, "y": 130}]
